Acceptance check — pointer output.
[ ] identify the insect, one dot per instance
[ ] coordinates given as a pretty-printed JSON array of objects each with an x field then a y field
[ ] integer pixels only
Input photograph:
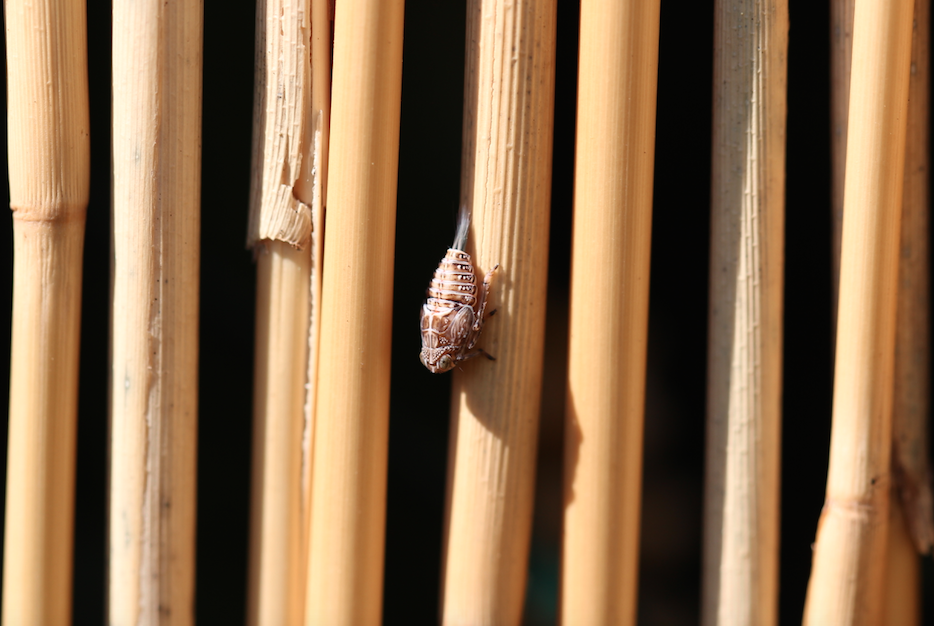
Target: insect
[{"x": 452, "y": 318}]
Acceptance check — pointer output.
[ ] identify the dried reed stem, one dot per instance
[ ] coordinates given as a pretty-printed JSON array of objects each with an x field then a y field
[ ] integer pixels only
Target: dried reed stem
[
  {"x": 910, "y": 529},
  {"x": 275, "y": 574},
  {"x": 505, "y": 182},
  {"x": 841, "y": 49},
  {"x": 903, "y": 574},
  {"x": 911, "y": 406},
  {"x": 348, "y": 496},
  {"x": 49, "y": 159},
  {"x": 321, "y": 111},
  {"x": 609, "y": 310},
  {"x": 847, "y": 578},
  {"x": 157, "y": 57},
  {"x": 285, "y": 221},
  {"x": 741, "y": 523}
]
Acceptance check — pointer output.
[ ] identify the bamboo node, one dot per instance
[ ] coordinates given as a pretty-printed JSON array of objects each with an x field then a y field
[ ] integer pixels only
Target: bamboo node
[
  {"x": 863, "y": 510},
  {"x": 57, "y": 212}
]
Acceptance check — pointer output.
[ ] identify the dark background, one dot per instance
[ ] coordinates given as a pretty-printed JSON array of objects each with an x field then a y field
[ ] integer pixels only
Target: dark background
[{"x": 669, "y": 591}]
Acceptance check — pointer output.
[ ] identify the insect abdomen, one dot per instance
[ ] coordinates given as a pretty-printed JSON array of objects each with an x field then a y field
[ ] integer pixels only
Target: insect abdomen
[{"x": 454, "y": 282}]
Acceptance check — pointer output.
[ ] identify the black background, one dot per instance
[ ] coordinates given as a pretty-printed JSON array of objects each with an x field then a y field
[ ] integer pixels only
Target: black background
[{"x": 669, "y": 591}]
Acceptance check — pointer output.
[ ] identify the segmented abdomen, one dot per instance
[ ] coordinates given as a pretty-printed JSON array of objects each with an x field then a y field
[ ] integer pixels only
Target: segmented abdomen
[{"x": 453, "y": 284}]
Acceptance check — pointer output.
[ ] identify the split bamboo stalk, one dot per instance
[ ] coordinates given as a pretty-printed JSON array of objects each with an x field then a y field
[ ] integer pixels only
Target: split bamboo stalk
[
  {"x": 289, "y": 144},
  {"x": 741, "y": 523},
  {"x": 505, "y": 183},
  {"x": 350, "y": 447},
  {"x": 49, "y": 162},
  {"x": 848, "y": 572},
  {"x": 609, "y": 310},
  {"x": 157, "y": 56},
  {"x": 321, "y": 111}
]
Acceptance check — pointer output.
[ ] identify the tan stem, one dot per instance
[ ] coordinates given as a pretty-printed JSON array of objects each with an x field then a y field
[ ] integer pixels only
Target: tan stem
[
  {"x": 285, "y": 224},
  {"x": 49, "y": 160},
  {"x": 903, "y": 580},
  {"x": 276, "y": 563},
  {"x": 157, "y": 60},
  {"x": 911, "y": 529},
  {"x": 911, "y": 406},
  {"x": 348, "y": 493},
  {"x": 741, "y": 523},
  {"x": 848, "y": 572},
  {"x": 505, "y": 183},
  {"x": 609, "y": 311},
  {"x": 320, "y": 112},
  {"x": 841, "y": 49}
]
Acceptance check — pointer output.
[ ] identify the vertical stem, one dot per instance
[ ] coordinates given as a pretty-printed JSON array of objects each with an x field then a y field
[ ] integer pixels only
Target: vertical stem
[
  {"x": 285, "y": 200},
  {"x": 848, "y": 572},
  {"x": 320, "y": 112},
  {"x": 609, "y": 310},
  {"x": 912, "y": 527},
  {"x": 348, "y": 494},
  {"x": 841, "y": 56},
  {"x": 505, "y": 183},
  {"x": 911, "y": 405},
  {"x": 48, "y": 158},
  {"x": 741, "y": 521},
  {"x": 275, "y": 570},
  {"x": 903, "y": 577},
  {"x": 157, "y": 56}
]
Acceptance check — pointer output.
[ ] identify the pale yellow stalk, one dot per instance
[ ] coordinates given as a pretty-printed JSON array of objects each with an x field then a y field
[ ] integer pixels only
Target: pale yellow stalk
[
  {"x": 741, "y": 523},
  {"x": 911, "y": 530},
  {"x": 49, "y": 163},
  {"x": 911, "y": 409},
  {"x": 903, "y": 577},
  {"x": 285, "y": 222},
  {"x": 275, "y": 567},
  {"x": 609, "y": 311},
  {"x": 320, "y": 112},
  {"x": 841, "y": 49},
  {"x": 351, "y": 430},
  {"x": 157, "y": 59},
  {"x": 505, "y": 183},
  {"x": 849, "y": 564}
]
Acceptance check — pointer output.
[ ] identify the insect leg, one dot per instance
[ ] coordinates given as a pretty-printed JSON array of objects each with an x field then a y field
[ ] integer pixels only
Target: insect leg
[
  {"x": 478, "y": 352},
  {"x": 484, "y": 292},
  {"x": 489, "y": 276}
]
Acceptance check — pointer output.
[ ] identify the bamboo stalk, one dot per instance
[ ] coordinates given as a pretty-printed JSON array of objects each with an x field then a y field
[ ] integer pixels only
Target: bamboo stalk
[
  {"x": 505, "y": 183},
  {"x": 903, "y": 578},
  {"x": 348, "y": 493},
  {"x": 321, "y": 111},
  {"x": 609, "y": 310},
  {"x": 320, "y": 45},
  {"x": 275, "y": 592},
  {"x": 285, "y": 219},
  {"x": 741, "y": 525},
  {"x": 911, "y": 529},
  {"x": 846, "y": 585},
  {"x": 49, "y": 159},
  {"x": 841, "y": 48},
  {"x": 157, "y": 57},
  {"x": 910, "y": 461}
]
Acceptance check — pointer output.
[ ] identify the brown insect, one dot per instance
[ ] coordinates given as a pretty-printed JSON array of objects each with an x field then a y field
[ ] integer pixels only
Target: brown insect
[{"x": 452, "y": 318}]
